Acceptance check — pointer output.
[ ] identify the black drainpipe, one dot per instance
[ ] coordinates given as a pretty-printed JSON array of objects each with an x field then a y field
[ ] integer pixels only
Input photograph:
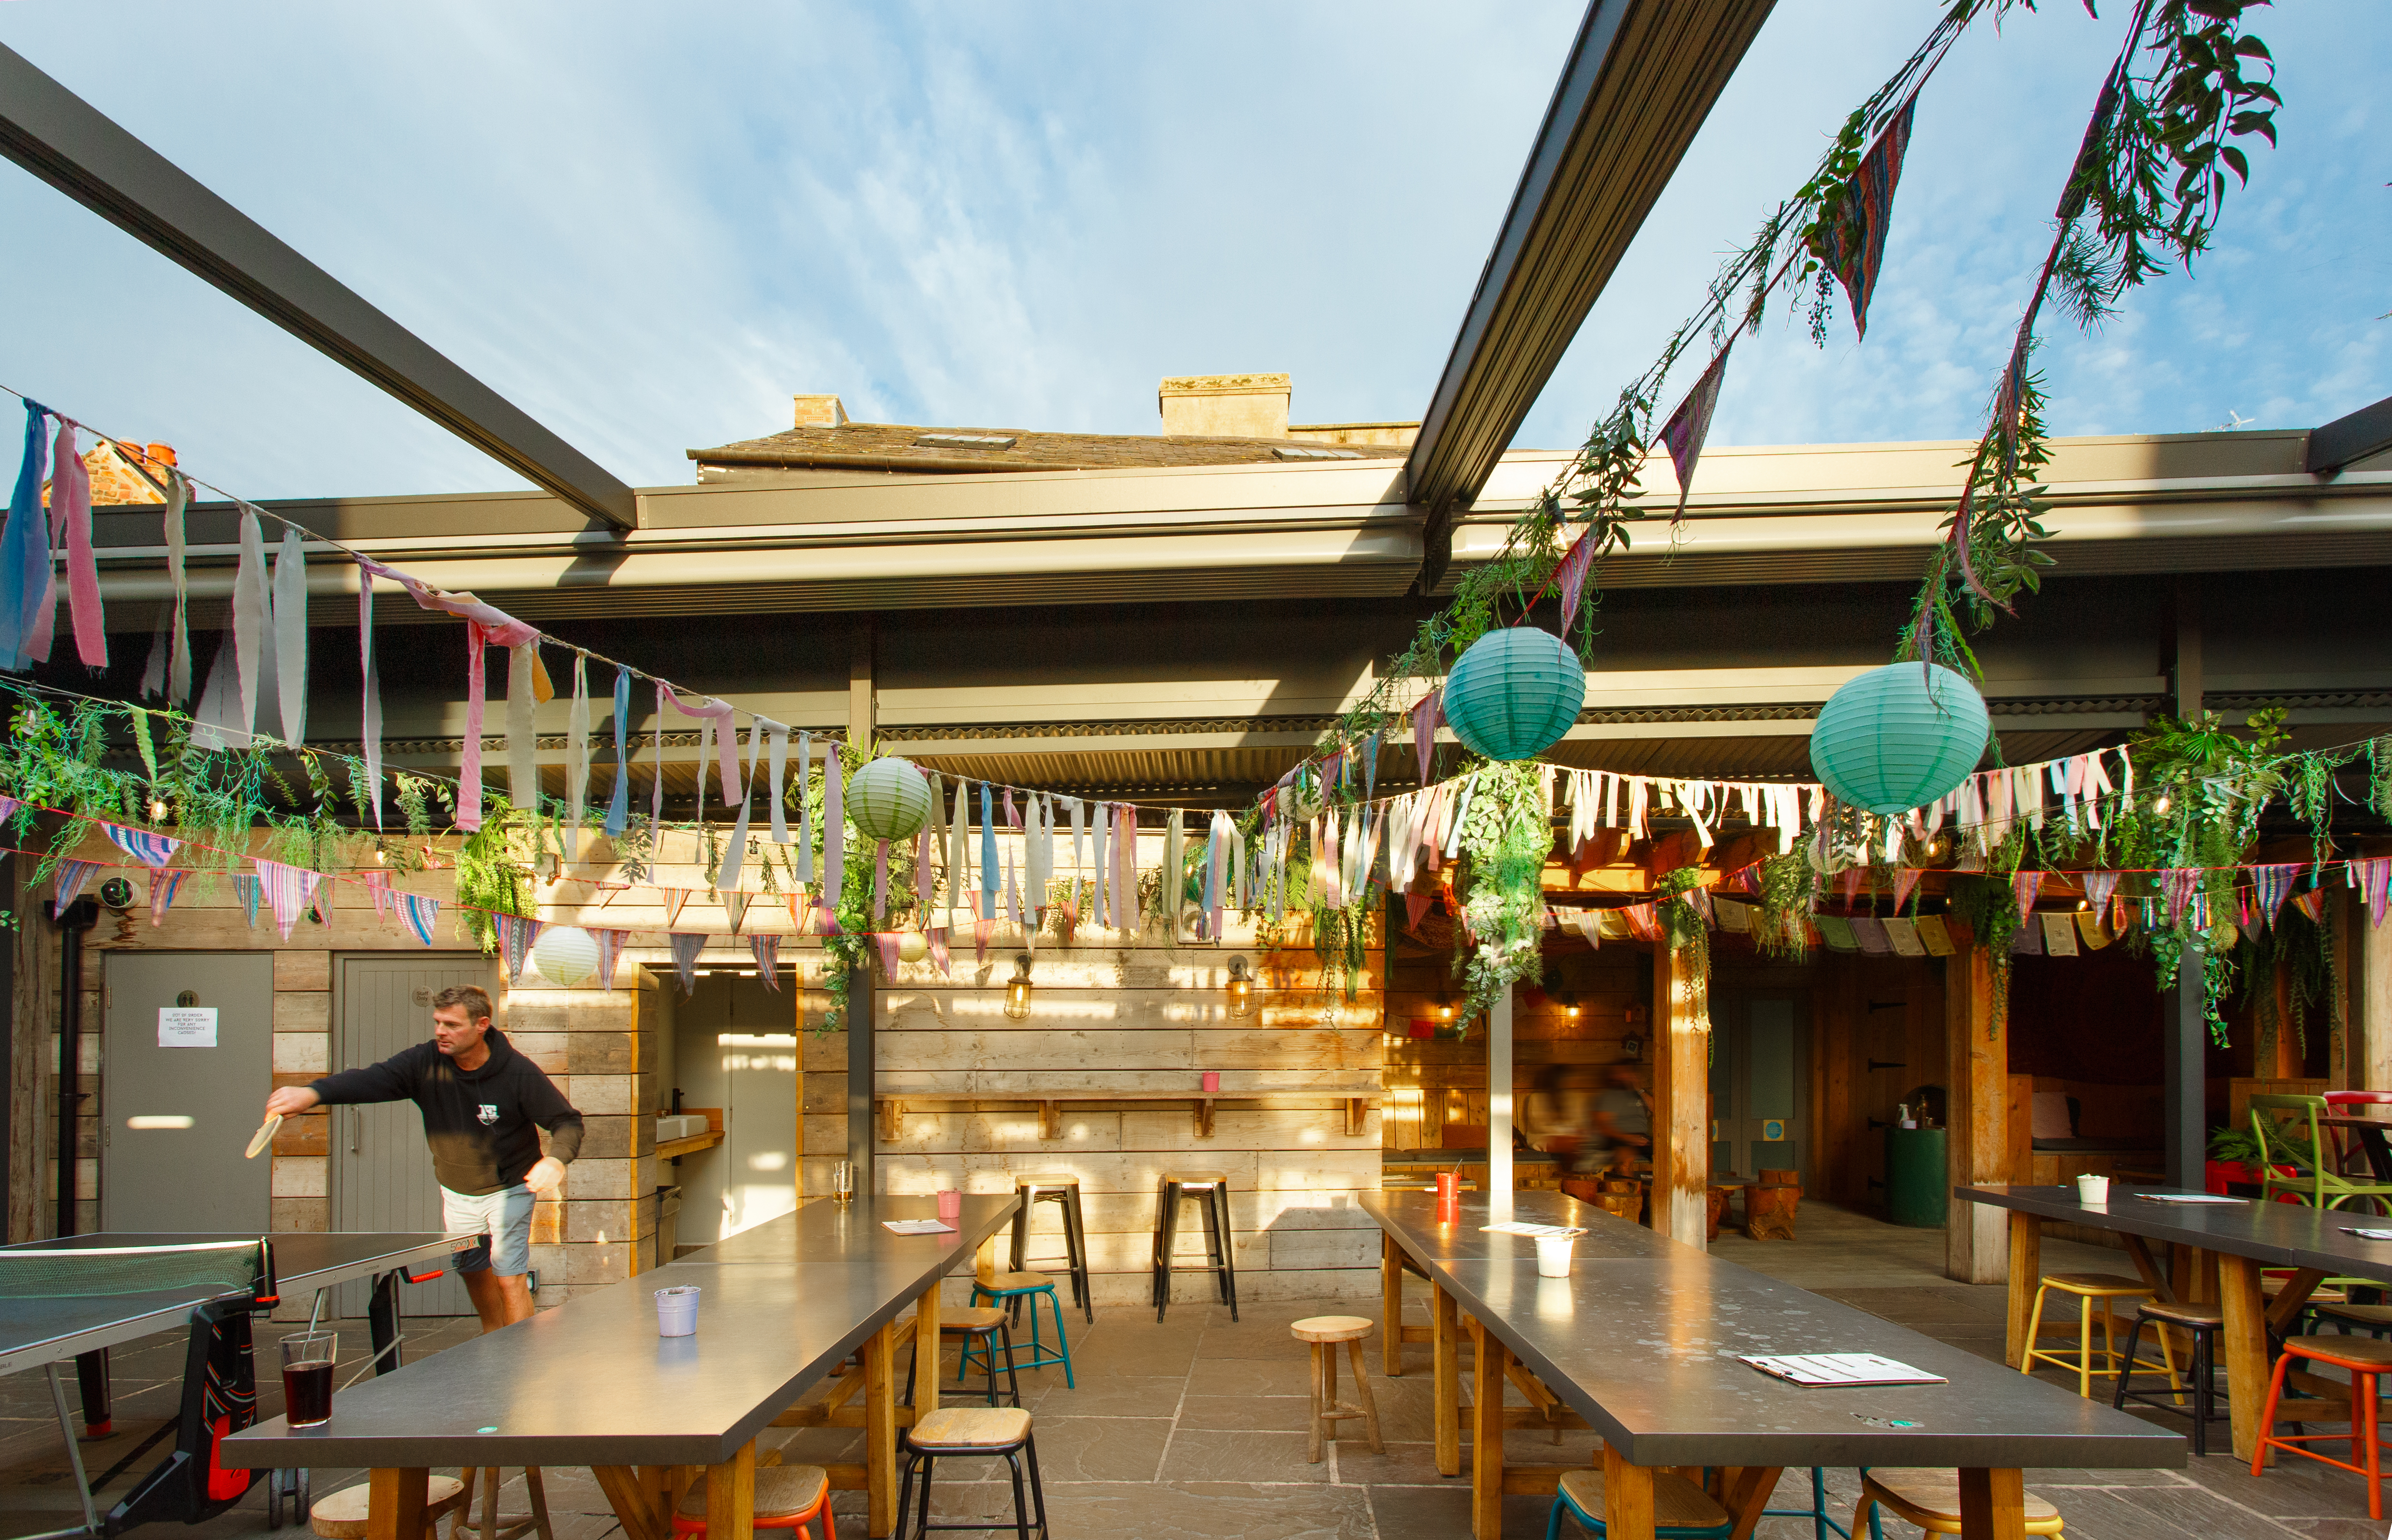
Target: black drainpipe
[{"x": 80, "y": 916}]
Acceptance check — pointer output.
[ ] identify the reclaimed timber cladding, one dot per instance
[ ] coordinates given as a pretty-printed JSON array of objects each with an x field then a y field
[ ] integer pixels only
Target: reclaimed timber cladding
[{"x": 1147, "y": 1014}]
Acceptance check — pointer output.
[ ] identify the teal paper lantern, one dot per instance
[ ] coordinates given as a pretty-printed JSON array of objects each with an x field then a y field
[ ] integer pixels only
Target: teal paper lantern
[
  {"x": 1514, "y": 692},
  {"x": 1898, "y": 737},
  {"x": 887, "y": 799}
]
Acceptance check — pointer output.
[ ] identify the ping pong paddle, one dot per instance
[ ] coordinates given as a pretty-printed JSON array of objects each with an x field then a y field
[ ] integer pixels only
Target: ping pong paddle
[{"x": 264, "y": 1135}]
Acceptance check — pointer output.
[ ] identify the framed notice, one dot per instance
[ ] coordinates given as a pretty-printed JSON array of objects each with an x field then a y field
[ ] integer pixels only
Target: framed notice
[{"x": 186, "y": 1025}]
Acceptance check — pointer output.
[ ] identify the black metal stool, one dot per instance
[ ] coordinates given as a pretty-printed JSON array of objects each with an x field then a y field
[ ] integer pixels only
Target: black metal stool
[
  {"x": 990, "y": 1431},
  {"x": 984, "y": 1327},
  {"x": 1212, "y": 1189},
  {"x": 2204, "y": 1322},
  {"x": 1061, "y": 1189}
]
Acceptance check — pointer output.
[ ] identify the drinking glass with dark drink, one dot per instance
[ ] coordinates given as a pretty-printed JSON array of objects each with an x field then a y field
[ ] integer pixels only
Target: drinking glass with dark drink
[{"x": 307, "y": 1359}]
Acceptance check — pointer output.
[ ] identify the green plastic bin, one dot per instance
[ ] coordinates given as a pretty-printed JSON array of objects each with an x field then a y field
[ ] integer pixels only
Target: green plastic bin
[{"x": 1917, "y": 1186}]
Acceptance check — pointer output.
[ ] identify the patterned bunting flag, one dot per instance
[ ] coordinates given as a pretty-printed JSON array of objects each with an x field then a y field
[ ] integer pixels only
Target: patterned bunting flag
[
  {"x": 2312, "y": 903},
  {"x": 685, "y": 948},
  {"x": 73, "y": 875},
  {"x": 1572, "y": 572},
  {"x": 2024, "y": 888},
  {"x": 2178, "y": 884},
  {"x": 2373, "y": 880},
  {"x": 152, "y": 850},
  {"x": 163, "y": 886},
  {"x": 516, "y": 933},
  {"x": 245, "y": 885},
  {"x": 734, "y": 904},
  {"x": 2098, "y": 886},
  {"x": 610, "y": 952},
  {"x": 888, "y": 942},
  {"x": 1850, "y": 241},
  {"x": 766, "y": 945},
  {"x": 674, "y": 898},
  {"x": 9, "y": 806},
  {"x": 1425, "y": 718},
  {"x": 1905, "y": 881},
  {"x": 378, "y": 889},
  {"x": 1684, "y": 433},
  {"x": 418, "y": 911},
  {"x": 288, "y": 889},
  {"x": 2268, "y": 885},
  {"x": 1641, "y": 921}
]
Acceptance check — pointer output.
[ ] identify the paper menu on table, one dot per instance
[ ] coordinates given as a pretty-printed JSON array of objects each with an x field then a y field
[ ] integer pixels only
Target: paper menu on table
[
  {"x": 2189, "y": 1198},
  {"x": 1820, "y": 1369},
  {"x": 1543, "y": 1231},
  {"x": 917, "y": 1227}
]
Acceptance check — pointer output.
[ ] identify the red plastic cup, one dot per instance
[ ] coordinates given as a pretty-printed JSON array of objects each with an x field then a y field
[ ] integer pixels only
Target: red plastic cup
[
  {"x": 1449, "y": 1186},
  {"x": 1211, "y": 1082},
  {"x": 951, "y": 1203}
]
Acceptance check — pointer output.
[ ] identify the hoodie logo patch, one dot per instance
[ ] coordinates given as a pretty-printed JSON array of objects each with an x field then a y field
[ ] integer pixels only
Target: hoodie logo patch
[{"x": 489, "y": 1113}]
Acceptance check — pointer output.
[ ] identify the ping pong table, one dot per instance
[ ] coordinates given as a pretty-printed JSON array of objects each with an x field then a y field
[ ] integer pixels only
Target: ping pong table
[{"x": 48, "y": 1322}]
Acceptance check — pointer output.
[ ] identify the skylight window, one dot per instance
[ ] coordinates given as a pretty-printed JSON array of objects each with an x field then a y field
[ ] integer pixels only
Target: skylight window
[
  {"x": 965, "y": 441},
  {"x": 1308, "y": 451}
]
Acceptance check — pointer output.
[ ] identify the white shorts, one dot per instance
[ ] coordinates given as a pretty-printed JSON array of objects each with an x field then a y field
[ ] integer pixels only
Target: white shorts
[{"x": 502, "y": 1217}]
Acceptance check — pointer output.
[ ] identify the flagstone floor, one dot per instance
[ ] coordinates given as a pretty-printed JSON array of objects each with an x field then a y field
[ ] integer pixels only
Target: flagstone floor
[{"x": 1193, "y": 1428}]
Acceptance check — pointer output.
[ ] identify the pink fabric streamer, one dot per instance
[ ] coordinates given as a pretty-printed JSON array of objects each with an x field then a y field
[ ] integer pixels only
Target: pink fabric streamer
[
  {"x": 469, "y": 766},
  {"x": 70, "y": 507},
  {"x": 726, "y": 741}
]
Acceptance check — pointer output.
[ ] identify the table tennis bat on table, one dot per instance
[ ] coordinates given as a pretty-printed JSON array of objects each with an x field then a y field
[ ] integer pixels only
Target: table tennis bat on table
[{"x": 264, "y": 1136}]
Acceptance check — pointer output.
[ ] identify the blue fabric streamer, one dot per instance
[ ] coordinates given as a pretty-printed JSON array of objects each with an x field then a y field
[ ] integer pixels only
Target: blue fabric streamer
[
  {"x": 25, "y": 545},
  {"x": 987, "y": 855},
  {"x": 618, "y": 810}
]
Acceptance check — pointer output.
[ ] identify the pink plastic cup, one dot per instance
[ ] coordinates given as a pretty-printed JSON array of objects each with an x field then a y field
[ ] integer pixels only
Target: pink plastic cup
[
  {"x": 950, "y": 1204},
  {"x": 1211, "y": 1082}
]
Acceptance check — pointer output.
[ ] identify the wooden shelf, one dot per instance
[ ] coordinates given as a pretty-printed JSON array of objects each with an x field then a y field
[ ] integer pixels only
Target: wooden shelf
[
  {"x": 891, "y": 1106},
  {"x": 673, "y": 1149}
]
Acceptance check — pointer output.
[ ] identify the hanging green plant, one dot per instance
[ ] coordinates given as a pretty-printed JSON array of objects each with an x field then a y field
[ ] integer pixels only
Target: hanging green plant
[
  {"x": 1988, "y": 907},
  {"x": 1506, "y": 834},
  {"x": 1683, "y": 929},
  {"x": 1789, "y": 888}
]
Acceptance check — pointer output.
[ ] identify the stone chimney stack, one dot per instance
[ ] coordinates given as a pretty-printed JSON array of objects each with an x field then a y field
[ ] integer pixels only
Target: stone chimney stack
[
  {"x": 1224, "y": 406},
  {"x": 820, "y": 411}
]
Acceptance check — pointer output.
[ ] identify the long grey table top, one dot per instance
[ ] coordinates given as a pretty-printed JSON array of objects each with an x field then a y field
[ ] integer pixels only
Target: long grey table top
[
  {"x": 50, "y": 1331},
  {"x": 592, "y": 1383},
  {"x": 2277, "y": 1234},
  {"x": 1640, "y": 1339}
]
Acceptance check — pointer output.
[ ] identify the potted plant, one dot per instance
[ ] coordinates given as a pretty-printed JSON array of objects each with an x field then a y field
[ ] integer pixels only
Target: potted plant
[{"x": 2236, "y": 1159}]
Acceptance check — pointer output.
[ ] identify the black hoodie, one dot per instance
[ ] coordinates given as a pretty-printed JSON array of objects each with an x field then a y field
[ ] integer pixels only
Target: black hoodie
[{"x": 479, "y": 1122}]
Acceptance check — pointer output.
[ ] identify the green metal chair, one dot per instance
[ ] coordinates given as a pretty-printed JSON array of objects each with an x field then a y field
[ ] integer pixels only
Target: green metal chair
[{"x": 2287, "y": 1128}]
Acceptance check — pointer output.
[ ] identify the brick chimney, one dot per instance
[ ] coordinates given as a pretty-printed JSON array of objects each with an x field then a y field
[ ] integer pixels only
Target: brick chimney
[
  {"x": 1224, "y": 406},
  {"x": 820, "y": 411}
]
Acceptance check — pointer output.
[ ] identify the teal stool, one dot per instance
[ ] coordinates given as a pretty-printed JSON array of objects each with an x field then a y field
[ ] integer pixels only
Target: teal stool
[
  {"x": 1680, "y": 1510},
  {"x": 1008, "y": 1290},
  {"x": 1818, "y": 1512}
]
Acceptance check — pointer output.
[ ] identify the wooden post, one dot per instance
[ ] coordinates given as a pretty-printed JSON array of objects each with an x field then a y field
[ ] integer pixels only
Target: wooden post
[
  {"x": 1682, "y": 1129},
  {"x": 1977, "y": 1100},
  {"x": 1499, "y": 1103},
  {"x": 862, "y": 1015}
]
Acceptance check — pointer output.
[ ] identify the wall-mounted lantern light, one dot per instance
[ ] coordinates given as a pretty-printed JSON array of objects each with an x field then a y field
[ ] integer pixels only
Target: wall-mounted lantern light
[
  {"x": 1569, "y": 1003},
  {"x": 1017, "y": 989},
  {"x": 1242, "y": 987}
]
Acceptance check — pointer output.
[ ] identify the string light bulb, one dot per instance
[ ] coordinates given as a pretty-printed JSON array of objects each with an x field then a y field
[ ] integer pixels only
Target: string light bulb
[
  {"x": 158, "y": 809},
  {"x": 1017, "y": 989}
]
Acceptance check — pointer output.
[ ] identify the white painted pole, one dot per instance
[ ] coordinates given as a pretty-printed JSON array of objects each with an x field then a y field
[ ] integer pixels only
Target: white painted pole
[{"x": 1498, "y": 1102}]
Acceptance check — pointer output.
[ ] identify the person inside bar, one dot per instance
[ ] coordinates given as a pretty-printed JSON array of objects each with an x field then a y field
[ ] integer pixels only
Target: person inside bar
[
  {"x": 1621, "y": 1119},
  {"x": 1555, "y": 1116}
]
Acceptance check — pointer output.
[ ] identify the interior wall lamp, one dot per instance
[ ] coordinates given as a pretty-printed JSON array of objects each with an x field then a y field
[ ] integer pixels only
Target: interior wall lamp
[
  {"x": 1017, "y": 989},
  {"x": 1567, "y": 1000},
  {"x": 1242, "y": 987}
]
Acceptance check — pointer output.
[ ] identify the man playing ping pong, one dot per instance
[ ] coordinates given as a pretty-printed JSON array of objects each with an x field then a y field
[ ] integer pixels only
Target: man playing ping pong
[{"x": 482, "y": 1104}]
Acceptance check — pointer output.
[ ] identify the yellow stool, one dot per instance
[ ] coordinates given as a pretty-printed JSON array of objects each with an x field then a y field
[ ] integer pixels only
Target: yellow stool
[
  {"x": 2087, "y": 1287},
  {"x": 1931, "y": 1500}
]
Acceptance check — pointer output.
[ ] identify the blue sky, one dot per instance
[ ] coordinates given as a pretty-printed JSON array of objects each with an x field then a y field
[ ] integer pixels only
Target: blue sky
[{"x": 648, "y": 225}]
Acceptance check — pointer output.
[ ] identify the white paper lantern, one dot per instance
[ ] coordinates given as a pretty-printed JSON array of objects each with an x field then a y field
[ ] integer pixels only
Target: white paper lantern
[
  {"x": 887, "y": 799},
  {"x": 913, "y": 947},
  {"x": 564, "y": 954}
]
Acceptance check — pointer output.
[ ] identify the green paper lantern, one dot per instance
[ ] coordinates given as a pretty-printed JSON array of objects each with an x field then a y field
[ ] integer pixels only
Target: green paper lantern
[
  {"x": 1514, "y": 692},
  {"x": 887, "y": 799},
  {"x": 1898, "y": 737}
]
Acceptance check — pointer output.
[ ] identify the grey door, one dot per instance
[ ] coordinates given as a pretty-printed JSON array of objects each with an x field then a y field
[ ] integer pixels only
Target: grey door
[
  {"x": 177, "y": 1113},
  {"x": 381, "y": 1169},
  {"x": 1760, "y": 1086}
]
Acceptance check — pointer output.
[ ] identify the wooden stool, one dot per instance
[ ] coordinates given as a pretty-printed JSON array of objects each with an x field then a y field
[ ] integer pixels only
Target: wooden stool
[
  {"x": 1324, "y": 1332},
  {"x": 1770, "y": 1203},
  {"x": 1680, "y": 1510},
  {"x": 2205, "y": 1321},
  {"x": 342, "y": 1515},
  {"x": 1931, "y": 1500},
  {"x": 2087, "y": 1287},
  {"x": 987, "y": 1331},
  {"x": 2366, "y": 1358},
  {"x": 956, "y": 1432},
  {"x": 1212, "y": 1189},
  {"x": 787, "y": 1496},
  {"x": 1061, "y": 1189}
]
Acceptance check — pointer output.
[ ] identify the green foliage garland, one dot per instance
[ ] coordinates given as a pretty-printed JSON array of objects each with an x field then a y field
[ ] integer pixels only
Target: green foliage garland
[{"x": 1506, "y": 834}]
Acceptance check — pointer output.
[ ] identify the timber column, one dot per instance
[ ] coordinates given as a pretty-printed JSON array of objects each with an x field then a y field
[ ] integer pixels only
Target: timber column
[
  {"x": 1682, "y": 1123},
  {"x": 1977, "y": 1057}
]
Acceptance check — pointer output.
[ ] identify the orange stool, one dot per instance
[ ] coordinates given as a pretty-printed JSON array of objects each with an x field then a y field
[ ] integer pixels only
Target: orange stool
[
  {"x": 787, "y": 1496},
  {"x": 2365, "y": 1357}
]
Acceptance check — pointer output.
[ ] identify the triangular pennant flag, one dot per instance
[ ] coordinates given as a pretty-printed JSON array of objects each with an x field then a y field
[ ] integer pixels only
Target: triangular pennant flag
[
  {"x": 2373, "y": 880},
  {"x": 1684, "y": 433},
  {"x": 610, "y": 952},
  {"x": 2268, "y": 885},
  {"x": 1639, "y": 918},
  {"x": 1575, "y": 564},
  {"x": 288, "y": 891},
  {"x": 734, "y": 904},
  {"x": 162, "y": 889},
  {"x": 152, "y": 850},
  {"x": 73, "y": 875},
  {"x": 516, "y": 933},
  {"x": 766, "y": 945},
  {"x": 2098, "y": 886},
  {"x": 418, "y": 911},
  {"x": 888, "y": 941},
  {"x": 245, "y": 885},
  {"x": 1849, "y": 239},
  {"x": 685, "y": 948},
  {"x": 2024, "y": 888},
  {"x": 2177, "y": 883},
  {"x": 378, "y": 889},
  {"x": 1426, "y": 715},
  {"x": 9, "y": 806},
  {"x": 674, "y": 899},
  {"x": 2312, "y": 903},
  {"x": 1905, "y": 881}
]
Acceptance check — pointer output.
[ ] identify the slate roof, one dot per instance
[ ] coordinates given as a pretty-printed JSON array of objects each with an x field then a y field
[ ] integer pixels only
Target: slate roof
[{"x": 898, "y": 447}]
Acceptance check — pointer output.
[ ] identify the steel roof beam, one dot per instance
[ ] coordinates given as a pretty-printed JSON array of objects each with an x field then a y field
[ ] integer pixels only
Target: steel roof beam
[
  {"x": 69, "y": 144},
  {"x": 1640, "y": 79},
  {"x": 2348, "y": 440}
]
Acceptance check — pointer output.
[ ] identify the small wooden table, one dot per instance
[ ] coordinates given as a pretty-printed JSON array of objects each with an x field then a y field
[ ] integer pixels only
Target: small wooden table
[
  {"x": 1639, "y": 1344},
  {"x": 592, "y": 1384},
  {"x": 2222, "y": 1247}
]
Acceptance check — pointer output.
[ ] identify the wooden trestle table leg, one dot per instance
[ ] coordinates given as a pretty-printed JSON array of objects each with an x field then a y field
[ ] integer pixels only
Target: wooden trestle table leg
[
  {"x": 1745, "y": 1493},
  {"x": 925, "y": 1353},
  {"x": 1445, "y": 1347},
  {"x": 2026, "y": 1269},
  {"x": 1391, "y": 1307},
  {"x": 1627, "y": 1498},
  {"x": 395, "y": 1503},
  {"x": 642, "y": 1497},
  {"x": 1992, "y": 1504},
  {"x": 1487, "y": 1435},
  {"x": 880, "y": 1433},
  {"x": 731, "y": 1496},
  {"x": 2246, "y": 1349}
]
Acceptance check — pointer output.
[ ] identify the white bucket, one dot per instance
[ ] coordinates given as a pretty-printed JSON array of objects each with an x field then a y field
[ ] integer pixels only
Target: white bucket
[
  {"x": 677, "y": 1311},
  {"x": 1554, "y": 1255},
  {"x": 2092, "y": 1189}
]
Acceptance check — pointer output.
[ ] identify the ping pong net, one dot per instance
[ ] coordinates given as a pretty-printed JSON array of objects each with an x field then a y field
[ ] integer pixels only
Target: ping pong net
[{"x": 202, "y": 1269}]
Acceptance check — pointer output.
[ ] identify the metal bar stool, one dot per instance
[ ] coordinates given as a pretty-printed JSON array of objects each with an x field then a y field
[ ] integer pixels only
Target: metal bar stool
[
  {"x": 1324, "y": 1332},
  {"x": 1061, "y": 1189},
  {"x": 1211, "y": 1189},
  {"x": 1680, "y": 1510},
  {"x": 983, "y": 1431},
  {"x": 787, "y": 1496},
  {"x": 2365, "y": 1358},
  {"x": 1008, "y": 1290},
  {"x": 1931, "y": 1500},
  {"x": 986, "y": 1332},
  {"x": 2205, "y": 1321},
  {"x": 1817, "y": 1511}
]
